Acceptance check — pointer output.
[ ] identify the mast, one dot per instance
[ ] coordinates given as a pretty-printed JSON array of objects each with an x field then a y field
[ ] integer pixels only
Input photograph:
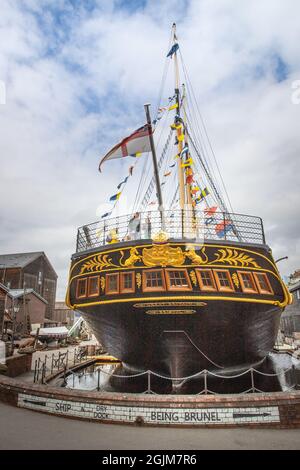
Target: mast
[
  {"x": 154, "y": 159},
  {"x": 188, "y": 186},
  {"x": 179, "y": 131}
]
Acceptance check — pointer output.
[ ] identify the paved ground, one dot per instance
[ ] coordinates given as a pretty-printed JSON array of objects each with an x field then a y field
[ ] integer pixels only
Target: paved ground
[
  {"x": 25, "y": 429},
  {"x": 28, "y": 376}
]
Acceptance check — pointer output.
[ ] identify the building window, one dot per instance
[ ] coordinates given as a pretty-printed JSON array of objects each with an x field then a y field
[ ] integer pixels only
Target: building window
[
  {"x": 93, "y": 286},
  {"x": 127, "y": 282},
  {"x": 247, "y": 282},
  {"x": 223, "y": 280},
  {"x": 153, "y": 280},
  {"x": 81, "y": 288},
  {"x": 178, "y": 279},
  {"x": 206, "y": 280},
  {"x": 112, "y": 283},
  {"x": 263, "y": 283}
]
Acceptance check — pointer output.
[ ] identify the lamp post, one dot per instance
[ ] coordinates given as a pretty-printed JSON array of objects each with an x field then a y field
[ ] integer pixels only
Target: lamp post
[
  {"x": 14, "y": 309},
  {"x": 280, "y": 259}
]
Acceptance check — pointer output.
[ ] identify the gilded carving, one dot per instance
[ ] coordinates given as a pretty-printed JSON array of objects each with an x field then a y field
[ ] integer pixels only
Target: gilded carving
[
  {"x": 196, "y": 259},
  {"x": 193, "y": 278},
  {"x": 102, "y": 283},
  {"x": 97, "y": 264},
  {"x": 234, "y": 258},
  {"x": 160, "y": 237},
  {"x": 138, "y": 278},
  {"x": 163, "y": 255},
  {"x": 235, "y": 280},
  {"x": 134, "y": 257}
]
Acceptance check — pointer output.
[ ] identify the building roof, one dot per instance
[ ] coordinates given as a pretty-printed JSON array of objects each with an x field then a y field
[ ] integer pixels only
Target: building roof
[
  {"x": 293, "y": 287},
  {"x": 61, "y": 305},
  {"x": 20, "y": 260},
  {"x": 3, "y": 287},
  {"x": 58, "y": 332},
  {"x": 17, "y": 293}
]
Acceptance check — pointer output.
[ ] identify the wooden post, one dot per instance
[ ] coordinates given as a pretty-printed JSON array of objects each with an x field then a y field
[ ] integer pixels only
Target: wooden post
[{"x": 154, "y": 159}]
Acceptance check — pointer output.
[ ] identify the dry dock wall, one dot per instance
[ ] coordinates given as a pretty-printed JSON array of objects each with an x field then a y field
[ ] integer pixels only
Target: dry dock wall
[{"x": 270, "y": 410}]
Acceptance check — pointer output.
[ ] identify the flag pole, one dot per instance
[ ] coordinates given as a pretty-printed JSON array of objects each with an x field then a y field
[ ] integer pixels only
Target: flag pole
[{"x": 154, "y": 159}]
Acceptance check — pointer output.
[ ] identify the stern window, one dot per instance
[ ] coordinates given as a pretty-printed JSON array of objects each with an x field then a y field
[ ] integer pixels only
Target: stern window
[
  {"x": 206, "y": 280},
  {"x": 81, "y": 288},
  {"x": 127, "y": 282},
  {"x": 178, "y": 279},
  {"x": 112, "y": 283},
  {"x": 263, "y": 283},
  {"x": 153, "y": 280},
  {"x": 93, "y": 286},
  {"x": 247, "y": 282},
  {"x": 223, "y": 280}
]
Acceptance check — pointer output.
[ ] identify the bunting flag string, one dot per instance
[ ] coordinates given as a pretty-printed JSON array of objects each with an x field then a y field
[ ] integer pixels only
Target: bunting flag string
[
  {"x": 187, "y": 163},
  {"x": 210, "y": 210},
  {"x": 115, "y": 197},
  {"x": 184, "y": 151},
  {"x": 222, "y": 228},
  {"x": 106, "y": 214},
  {"x": 123, "y": 182},
  {"x": 205, "y": 192},
  {"x": 173, "y": 49},
  {"x": 174, "y": 106},
  {"x": 162, "y": 109}
]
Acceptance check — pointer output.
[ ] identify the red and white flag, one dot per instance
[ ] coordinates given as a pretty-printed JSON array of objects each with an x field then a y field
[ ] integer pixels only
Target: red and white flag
[{"x": 135, "y": 144}]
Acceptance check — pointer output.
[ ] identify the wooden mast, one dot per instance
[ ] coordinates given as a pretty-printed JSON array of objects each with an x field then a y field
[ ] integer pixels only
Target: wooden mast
[
  {"x": 180, "y": 130},
  {"x": 187, "y": 186},
  {"x": 155, "y": 166}
]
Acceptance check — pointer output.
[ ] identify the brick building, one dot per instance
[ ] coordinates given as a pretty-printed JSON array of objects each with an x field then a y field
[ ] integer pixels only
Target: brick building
[
  {"x": 63, "y": 314},
  {"x": 290, "y": 319},
  {"x": 32, "y": 271},
  {"x": 31, "y": 308}
]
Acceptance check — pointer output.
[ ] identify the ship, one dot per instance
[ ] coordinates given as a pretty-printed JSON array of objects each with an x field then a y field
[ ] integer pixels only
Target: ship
[{"x": 182, "y": 283}]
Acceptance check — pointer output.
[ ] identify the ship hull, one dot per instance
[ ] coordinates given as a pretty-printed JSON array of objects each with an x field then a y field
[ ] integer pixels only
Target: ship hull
[
  {"x": 177, "y": 332},
  {"x": 219, "y": 336}
]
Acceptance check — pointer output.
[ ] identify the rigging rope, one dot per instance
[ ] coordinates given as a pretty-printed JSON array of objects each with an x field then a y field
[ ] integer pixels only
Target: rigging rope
[
  {"x": 151, "y": 185},
  {"x": 205, "y": 131}
]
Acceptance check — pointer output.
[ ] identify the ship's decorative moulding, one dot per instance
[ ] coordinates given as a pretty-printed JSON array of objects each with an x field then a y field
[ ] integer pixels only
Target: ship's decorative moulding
[
  {"x": 102, "y": 283},
  {"x": 235, "y": 280},
  {"x": 193, "y": 278},
  {"x": 162, "y": 254},
  {"x": 138, "y": 278},
  {"x": 98, "y": 263}
]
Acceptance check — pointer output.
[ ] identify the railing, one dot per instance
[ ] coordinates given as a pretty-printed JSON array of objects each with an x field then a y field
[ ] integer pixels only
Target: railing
[
  {"x": 252, "y": 377},
  {"x": 57, "y": 363},
  {"x": 179, "y": 224}
]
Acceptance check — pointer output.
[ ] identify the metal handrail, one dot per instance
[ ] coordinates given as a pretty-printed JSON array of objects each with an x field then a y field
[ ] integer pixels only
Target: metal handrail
[
  {"x": 180, "y": 224},
  {"x": 179, "y": 381}
]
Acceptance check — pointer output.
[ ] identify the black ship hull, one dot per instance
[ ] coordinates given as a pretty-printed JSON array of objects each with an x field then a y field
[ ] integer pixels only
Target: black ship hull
[
  {"x": 219, "y": 336},
  {"x": 177, "y": 332}
]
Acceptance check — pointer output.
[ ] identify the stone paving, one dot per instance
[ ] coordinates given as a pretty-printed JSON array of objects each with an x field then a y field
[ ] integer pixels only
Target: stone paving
[{"x": 28, "y": 376}]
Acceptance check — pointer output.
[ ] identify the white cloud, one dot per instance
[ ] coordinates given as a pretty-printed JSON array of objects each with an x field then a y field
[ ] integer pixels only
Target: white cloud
[{"x": 77, "y": 79}]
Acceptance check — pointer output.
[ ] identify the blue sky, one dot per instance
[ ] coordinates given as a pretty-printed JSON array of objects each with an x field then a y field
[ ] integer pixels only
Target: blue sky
[{"x": 77, "y": 74}]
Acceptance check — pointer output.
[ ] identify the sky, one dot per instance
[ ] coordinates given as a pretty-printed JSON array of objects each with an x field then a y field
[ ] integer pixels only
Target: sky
[{"x": 76, "y": 75}]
